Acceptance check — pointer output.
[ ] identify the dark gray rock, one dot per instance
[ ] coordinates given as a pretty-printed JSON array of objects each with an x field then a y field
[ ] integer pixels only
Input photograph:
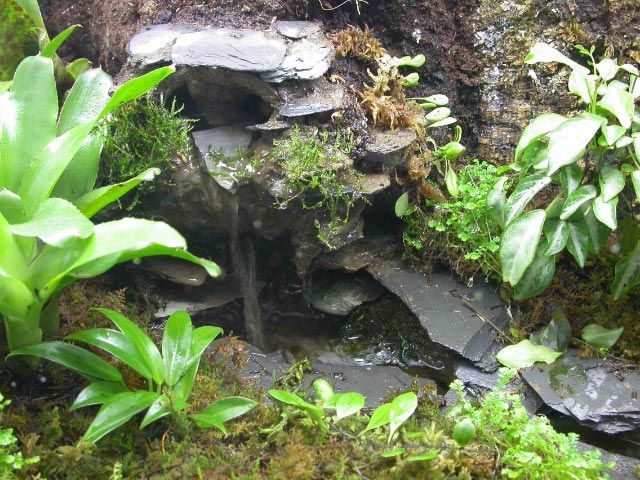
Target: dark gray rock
[
  {"x": 337, "y": 293},
  {"x": 386, "y": 147},
  {"x": 176, "y": 270},
  {"x": 625, "y": 468},
  {"x": 197, "y": 300},
  {"x": 152, "y": 45},
  {"x": 296, "y": 29},
  {"x": 374, "y": 183},
  {"x": 448, "y": 310},
  {"x": 306, "y": 59},
  {"x": 321, "y": 97},
  {"x": 239, "y": 50},
  {"x": 359, "y": 254},
  {"x": 596, "y": 393}
]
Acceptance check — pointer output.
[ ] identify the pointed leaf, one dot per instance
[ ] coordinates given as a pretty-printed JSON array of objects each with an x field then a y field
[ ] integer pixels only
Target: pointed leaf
[
  {"x": 613, "y": 133},
  {"x": 32, "y": 9},
  {"x": 542, "y": 52},
  {"x": 524, "y": 192},
  {"x": 295, "y": 400},
  {"x": 221, "y": 411},
  {"x": 537, "y": 277},
  {"x": 52, "y": 47},
  {"x": 576, "y": 199},
  {"x": 582, "y": 85},
  {"x": 402, "y": 206},
  {"x": 557, "y": 233},
  {"x": 600, "y": 337},
  {"x": 598, "y": 232},
  {"x": 611, "y": 183},
  {"x": 568, "y": 141},
  {"x": 627, "y": 274},
  {"x": 620, "y": 104},
  {"x": 348, "y": 404},
  {"x": 578, "y": 244},
  {"x": 381, "y": 416},
  {"x": 176, "y": 346},
  {"x": 159, "y": 409},
  {"x": 118, "y": 411},
  {"x": 539, "y": 126},
  {"x": 556, "y": 335},
  {"x": 606, "y": 211},
  {"x": 525, "y": 354},
  {"x": 519, "y": 244},
  {"x": 402, "y": 407},
  {"x": 97, "y": 393},
  {"x": 497, "y": 201},
  {"x": 570, "y": 178},
  {"x": 74, "y": 358}
]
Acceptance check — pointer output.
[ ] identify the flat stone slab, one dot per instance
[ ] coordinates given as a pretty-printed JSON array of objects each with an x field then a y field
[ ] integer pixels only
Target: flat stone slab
[
  {"x": 153, "y": 44},
  {"x": 195, "y": 301},
  {"x": 596, "y": 393},
  {"x": 306, "y": 59},
  {"x": 240, "y": 50},
  {"x": 324, "y": 97},
  {"x": 296, "y": 29},
  {"x": 448, "y": 310},
  {"x": 176, "y": 271},
  {"x": 387, "y": 147}
]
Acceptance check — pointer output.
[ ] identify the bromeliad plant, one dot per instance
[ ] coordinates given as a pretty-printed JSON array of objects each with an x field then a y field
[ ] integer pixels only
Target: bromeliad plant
[
  {"x": 589, "y": 158},
  {"x": 48, "y": 166},
  {"x": 169, "y": 375}
]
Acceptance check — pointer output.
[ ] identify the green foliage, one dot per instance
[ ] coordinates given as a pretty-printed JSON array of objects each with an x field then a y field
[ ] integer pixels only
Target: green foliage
[
  {"x": 10, "y": 458},
  {"x": 141, "y": 135},
  {"x": 48, "y": 166},
  {"x": 530, "y": 448},
  {"x": 465, "y": 221},
  {"x": 600, "y": 337},
  {"x": 394, "y": 413},
  {"x": 525, "y": 354},
  {"x": 588, "y": 158},
  {"x": 170, "y": 375},
  {"x": 318, "y": 171},
  {"x": 15, "y": 40}
]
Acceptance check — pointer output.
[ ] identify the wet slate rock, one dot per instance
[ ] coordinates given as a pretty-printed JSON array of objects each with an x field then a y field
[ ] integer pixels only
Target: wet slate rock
[
  {"x": 337, "y": 293},
  {"x": 321, "y": 97},
  {"x": 448, "y": 310},
  {"x": 239, "y": 50},
  {"x": 306, "y": 59},
  {"x": 590, "y": 392},
  {"x": 196, "y": 301},
  {"x": 386, "y": 147},
  {"x": 175, "y": 270},
  {"x": 152, "y": 45},
  {"x": 296, "y": 29}
]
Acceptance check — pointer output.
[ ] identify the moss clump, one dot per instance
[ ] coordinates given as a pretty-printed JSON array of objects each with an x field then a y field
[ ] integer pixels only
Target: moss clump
[
  {"x": 142, "y": 135},
  {"x": 353, "y": 41},
  {"x": 16, "y": 42},
  {"x": 318, "y": 171}
]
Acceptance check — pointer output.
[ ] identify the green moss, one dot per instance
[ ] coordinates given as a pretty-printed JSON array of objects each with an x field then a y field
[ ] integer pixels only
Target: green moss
[
  {"x": 142, "y": 135},
  {"x": 15, "y": 40}
]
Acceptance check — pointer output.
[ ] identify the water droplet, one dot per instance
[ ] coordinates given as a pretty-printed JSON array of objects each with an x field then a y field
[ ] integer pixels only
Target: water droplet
[
  {"x": 486, "y": 279},
  {"x": 42, "y": 379},
  {"x": 470, "y": 282}
]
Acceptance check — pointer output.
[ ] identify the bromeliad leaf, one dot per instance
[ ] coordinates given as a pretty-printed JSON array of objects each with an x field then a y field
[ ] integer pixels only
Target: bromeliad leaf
[
  {"x": 524, "y": 192},
  {"x": 600, "y": 337},
  {"x": 525, "y": 354},
  {"x": 519, "y": 244},
  {"x": 221, "y": 411}
]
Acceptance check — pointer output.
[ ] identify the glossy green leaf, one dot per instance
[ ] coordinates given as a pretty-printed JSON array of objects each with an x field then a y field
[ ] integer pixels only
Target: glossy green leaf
[
  {"x": 32, "y": 9},
  {"x": 578, "y": 244},
  {"x": 537, "y": 277},
  {"x": 117, "y": 344},
  {"x": 159, "y": 409},
  {"x": 635, "y": 180},
  {"x": 295, "y": 400},
  {"x": 94, "y": 201},
  {"x": 221, "y": 411},
  {"x": 570, "y": 178},
  {"x": 12, "y": 260},
  {"x": 555, "y": 207},
  {"x": 556, "y": 335},
  {"x": 443, "y": 123},
  {"x": 451, "y": 181},
  {"x": 539, "y": 126},
  {"x": 627, "y": 274},
  {"x": 96, "y": 394},
  {"x": 402, "y": 407},
  {"x": 380, "y": 417},
  {"x": 176, "y": 346},
  {"x": 600, "y": 337},
  {"x": 323, "y": 390},
  {"x": 525, "y": 354},
  {"x": 568, "y": 141},
  {"x": 582, "y": 85},
  {"x": 11, "y": 207},
  {"x": 56, "y": 222},
  {"x": 29, "y": 115},
  {"x": 423, "y": 457},
  {"x": 78, "y": 67},
  {"x": 598, "y": 232},
  {"x": 524, "y": 192},
  {"x": 607, "y": 68},
  {"x": 438, "y": 114},
  {"x": 464, "y": 431},
  {"x": 347, "y": 404},
  {"x": 519, "y": 244},
  {"x": 497, "y": 201},
  {"x": 606, "y": 212},
  {"x": 545, "y": 53},
  {"x": 620, "y": 104},
  {"x": 52, "y": 47},
  {"x": 144, "y": 345},
  {"x": 557, "y": 233},
  {"x": 611, "y": 183},
  {"x": 576, "y": 199},
  {"x": 394, "y": 452},
  {"x": 613, "y": 133},
  {"x": 74, "y": 358},
  {"x": 402, "y": 206},
  {"x": 118, "y": 411},
  {"x": 202, "y": 338},
  {"x": 15, "y": 297}
]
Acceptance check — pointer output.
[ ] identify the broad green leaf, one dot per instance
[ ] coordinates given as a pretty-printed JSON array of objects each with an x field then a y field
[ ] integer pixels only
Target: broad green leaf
[
  {"x": 381, "y": 416},
  {"x": 402, "y": 206},
  {"x": 295, "y": 400},
  {"x": 77, "y": 67},
  {"x": 545, "y": 53},
  {"x": 202, "y": 338},
  {"x": 630, "y": 69},
  {"x": 438, "y": 114},
  {"x": 159, "y": 409},
  {"x": 32, "y": 9},
  {"x": 578, "y": 244},
  {"x": 438, "y": 99},
  {"x": 74, "y": 358},
  {"x": 97, "y": 393},
  {"x": 613, "y": 133},
  {"x": 145, "y": 346},
  {"x": 600, "y": 337},
  {"x": 15, "y": 296},
  {"x": 556, "y": 335},
  {"x": 537, "y": 277},
  {"x": 181, "y": 391},
  {"x": 607, "y": 68},
  {"x": 497, "y": 200},
  {"x": 598, "y": 232},
  {"x": 582, "y": 85},
  {"x": 117, "y": 344},
  {"x": 620, "y": 104},
  {"x": 118, "y": 411},
  {"x": 221, "y": 411},
  {"x": 52, "y": 47},
  {"x": 12, "y": 261},
  {"x": 519, "y": 244},
  {"x": 570, "y": 178},
  {"x": 94, "y": 201},
  {"x": 557, "y": 233},
  {"x": 525, "y": 354},
  {"x": 323, "y": 390},
  {"x": 11, "y": 207},
  {"x": 56, "y": 222},
  {"x": 606, "y": 211},
  {"x": 555, "y": 207},
  {"x": 348, "y": 404},
  {"x": 568, "y": 141},
  {"x": 48, "y": 166},
  {"x": 423, "y": 457},
  {"x": 627, "y": 274},
  {"x": 576, "y": 199},
  {"x": 402, "y": 407},
  {"x": 29, "y": 115},
  {"x": 136, "y": 87},
  {"x": 524, "y": 192},
  {"x": 451, "y": 181},
  {"x": 464, "y": 431},
  {"x": 443, "y": 122},
  {"x": 176, "y": 346},
  {"x": 539, "y": 126},
  {"x": 611, "y": 183}
]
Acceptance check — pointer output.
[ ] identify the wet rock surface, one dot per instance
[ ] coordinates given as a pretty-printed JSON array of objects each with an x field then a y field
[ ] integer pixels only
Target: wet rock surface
[
  {"x": 598, "y": 394},
  {"x": 386, "y": 148},
  {"x": 320, "y": 96},
  {"x": 153, "y": 45},
  {"x": 340, "y": 294}
]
